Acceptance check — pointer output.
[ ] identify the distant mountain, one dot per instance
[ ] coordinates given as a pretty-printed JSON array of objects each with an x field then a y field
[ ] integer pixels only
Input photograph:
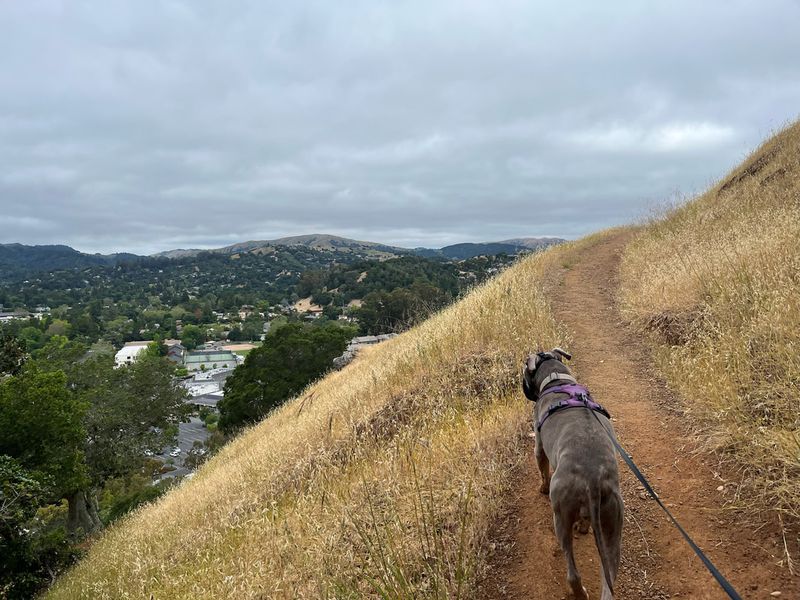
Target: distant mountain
[
  {"x": 332, "y": 242},
  {"x": 470, "y": 250},
  {"x": 316, "y": 241},
  {"x": 532, "y": 242},
  {"x": 20, "y": 259},
  {"x": 16, "y": 258}
]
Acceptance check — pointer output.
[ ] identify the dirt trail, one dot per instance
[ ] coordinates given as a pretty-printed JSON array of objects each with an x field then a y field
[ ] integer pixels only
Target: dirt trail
[{"x": 656, "y": 562}]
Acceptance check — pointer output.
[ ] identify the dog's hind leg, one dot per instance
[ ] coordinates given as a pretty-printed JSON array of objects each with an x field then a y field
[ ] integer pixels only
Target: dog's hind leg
[
  {"x": 563, "y": 526},
  {"x": 544, "y": 466}
]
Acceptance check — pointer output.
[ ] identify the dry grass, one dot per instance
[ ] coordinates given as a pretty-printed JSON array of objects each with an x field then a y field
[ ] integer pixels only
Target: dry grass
[
  {"x": 381, "y": 481},
  {"x": 718, "y": 282}
]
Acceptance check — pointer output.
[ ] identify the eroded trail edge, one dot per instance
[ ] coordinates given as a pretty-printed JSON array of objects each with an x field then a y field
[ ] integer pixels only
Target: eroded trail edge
[{"x": 615, "y": 364}]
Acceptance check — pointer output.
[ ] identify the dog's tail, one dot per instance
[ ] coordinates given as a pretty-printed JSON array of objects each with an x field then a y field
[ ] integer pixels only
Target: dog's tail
[{"x": 606, "y": 504}]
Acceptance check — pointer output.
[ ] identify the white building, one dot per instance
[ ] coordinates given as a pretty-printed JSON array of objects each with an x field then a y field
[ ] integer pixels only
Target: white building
[
  {"x": 357, "y": 343},
  {"x": 128, "y": 353}
]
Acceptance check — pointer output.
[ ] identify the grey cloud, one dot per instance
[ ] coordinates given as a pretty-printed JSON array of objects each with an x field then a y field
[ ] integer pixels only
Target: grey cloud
[{"x": 147, "y": 126}]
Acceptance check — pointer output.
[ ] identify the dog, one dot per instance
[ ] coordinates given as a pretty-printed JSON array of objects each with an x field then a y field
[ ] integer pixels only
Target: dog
[{"x": 584, "y": 486}]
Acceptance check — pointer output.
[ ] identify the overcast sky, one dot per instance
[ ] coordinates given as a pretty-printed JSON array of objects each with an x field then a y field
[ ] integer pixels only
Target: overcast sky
[{"x": 145, "y": 126}]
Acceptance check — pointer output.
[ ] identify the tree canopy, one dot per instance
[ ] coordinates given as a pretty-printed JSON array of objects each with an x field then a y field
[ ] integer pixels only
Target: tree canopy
[
  {"x": 291, "y": 357},
  {"x": 192, "y": 336},
  {"x": 41, "y": 427},
  {"x": 12, "y": 354}
]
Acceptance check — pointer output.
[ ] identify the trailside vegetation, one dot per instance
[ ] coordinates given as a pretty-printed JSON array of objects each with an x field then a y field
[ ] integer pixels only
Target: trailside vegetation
[{"x": 716, "y": 282}]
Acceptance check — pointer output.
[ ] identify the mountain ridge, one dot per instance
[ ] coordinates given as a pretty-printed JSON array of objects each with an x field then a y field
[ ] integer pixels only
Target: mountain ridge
[
  {"x": 327, "y": 242},
  {"x": 17, "y": 257}
]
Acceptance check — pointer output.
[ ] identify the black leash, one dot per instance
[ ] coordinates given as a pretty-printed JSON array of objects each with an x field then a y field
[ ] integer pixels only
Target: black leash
[{"x": 724, "y": 583}]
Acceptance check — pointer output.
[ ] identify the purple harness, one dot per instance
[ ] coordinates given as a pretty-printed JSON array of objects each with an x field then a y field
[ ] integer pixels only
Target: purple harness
[{"x": 578, "y": 398}]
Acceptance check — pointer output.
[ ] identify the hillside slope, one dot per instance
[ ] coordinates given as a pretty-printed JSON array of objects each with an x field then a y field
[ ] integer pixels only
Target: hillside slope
[
  {"x": 22, "y": 259},
  {"x": 613, "y": 360},
  {"x": 317, "y": 241},
  {"x": 387, "y": 479},
  {"x": 717, "y": 282},
  {"x": 381, "y": 480}
]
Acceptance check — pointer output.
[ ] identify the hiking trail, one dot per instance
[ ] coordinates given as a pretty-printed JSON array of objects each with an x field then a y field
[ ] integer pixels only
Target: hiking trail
[{"x": 615, "y": 364}]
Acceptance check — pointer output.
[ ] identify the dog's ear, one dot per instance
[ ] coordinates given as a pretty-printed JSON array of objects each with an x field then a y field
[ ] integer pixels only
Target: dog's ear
[
  {"x": 527, "y": 385},
  {"x": 527, "y": 371},
  {"x": 528, "y": 390},
  {"x": 559, "y": 353}
]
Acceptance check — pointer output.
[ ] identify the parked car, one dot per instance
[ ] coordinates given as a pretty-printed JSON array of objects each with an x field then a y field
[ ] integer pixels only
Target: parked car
[{"x": 175, "y": 452}]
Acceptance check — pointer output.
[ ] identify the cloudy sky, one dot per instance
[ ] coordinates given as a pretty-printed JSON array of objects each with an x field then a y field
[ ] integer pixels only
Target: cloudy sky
[{"x": 145, "y": 126}]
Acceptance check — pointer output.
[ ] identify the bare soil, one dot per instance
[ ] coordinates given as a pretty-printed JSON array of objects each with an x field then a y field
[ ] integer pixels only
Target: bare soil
[{"x": 615, "y": 364}]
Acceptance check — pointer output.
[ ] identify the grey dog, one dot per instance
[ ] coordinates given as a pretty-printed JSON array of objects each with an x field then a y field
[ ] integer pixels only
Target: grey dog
[{"x": 584, "y": 486}]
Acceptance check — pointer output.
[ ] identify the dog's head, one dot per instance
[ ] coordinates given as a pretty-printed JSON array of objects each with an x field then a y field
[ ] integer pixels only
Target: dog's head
[{"x": 531, "y": 374}]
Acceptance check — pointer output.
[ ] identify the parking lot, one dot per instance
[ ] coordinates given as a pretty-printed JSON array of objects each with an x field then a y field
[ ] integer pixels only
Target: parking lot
[{"x": 188, "y": 434}]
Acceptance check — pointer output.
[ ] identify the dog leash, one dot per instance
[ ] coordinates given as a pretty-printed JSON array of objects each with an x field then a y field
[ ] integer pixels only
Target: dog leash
[{"x": 724, "y": 583}]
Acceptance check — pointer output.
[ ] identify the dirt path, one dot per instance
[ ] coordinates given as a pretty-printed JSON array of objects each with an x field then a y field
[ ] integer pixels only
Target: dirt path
[{"x": 656, "y": 562}]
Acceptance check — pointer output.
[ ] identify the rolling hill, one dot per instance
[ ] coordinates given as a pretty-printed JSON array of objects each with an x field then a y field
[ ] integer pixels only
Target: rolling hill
[
  {"x": 471, "y": 250},
  {"x": 377, "y": 250},
  {"x": 21, "y": 258},
  {"x": 316, "y": 241}
]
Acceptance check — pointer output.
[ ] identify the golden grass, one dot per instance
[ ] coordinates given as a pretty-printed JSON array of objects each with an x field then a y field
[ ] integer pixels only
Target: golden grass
[
  {"x": 382, "y": 480},
  {"x": 718, "y": 282}
]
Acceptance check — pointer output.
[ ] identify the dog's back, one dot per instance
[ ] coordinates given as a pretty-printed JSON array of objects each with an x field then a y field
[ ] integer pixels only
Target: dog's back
[
  {"x": 585, "y": 479},
  {"x": 585, "y": 484}
]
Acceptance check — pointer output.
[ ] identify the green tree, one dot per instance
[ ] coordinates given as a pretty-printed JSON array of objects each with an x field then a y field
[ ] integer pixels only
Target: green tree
[
  {"x": 291, "y": 357},
  {"x": 21, "y": 494},
  {"x": 85, "y": 325},
  {"x": 236, "y": 334},
  {"x": 12, "y": 354},
  {"x": 311, "y": 281},
  {"x": 192, "y": 336},
  {"x": 401, "y": 308},
  {"x": 102, "y": 347},
  {"x": 60, "y": 354},
  {"x": 41, "y": 427},
  {"x": 120, "y": 415},
  {"x": 32, "y": 336},
  {"x": 157, "y": 348},
  {"x": 130, "y": 412},
  {"x": 119, "y": 330},
  {"x": 252, "y": 328},
  {"x": 58, "y": 327}
]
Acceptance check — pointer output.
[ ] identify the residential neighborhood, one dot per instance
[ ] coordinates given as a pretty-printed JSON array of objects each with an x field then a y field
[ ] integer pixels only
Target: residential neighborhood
[{"x": 206, "y": 368}]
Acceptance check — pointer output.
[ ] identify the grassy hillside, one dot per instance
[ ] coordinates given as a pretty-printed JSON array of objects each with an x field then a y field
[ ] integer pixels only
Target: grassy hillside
[
  {"x": 718, "y": 282},
  {"x": 380, "y": 481},
  {"x": 383, "y": 479}
]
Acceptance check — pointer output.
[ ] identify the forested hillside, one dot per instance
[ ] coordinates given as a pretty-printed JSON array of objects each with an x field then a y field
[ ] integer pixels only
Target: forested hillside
[
  {"x": 148, "y": 297},
  {"x": 19, "y": 261}
]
